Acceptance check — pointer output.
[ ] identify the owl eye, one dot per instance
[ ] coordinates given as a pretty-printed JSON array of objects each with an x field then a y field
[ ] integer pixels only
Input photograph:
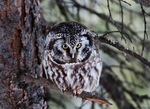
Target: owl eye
[
  {"x": 78, "y": 46},
  {"x": 65, "y": 46}
]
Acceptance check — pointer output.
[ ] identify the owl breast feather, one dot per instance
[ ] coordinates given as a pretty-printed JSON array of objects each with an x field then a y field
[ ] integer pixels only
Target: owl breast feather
[{"x": 83, "y": 76}]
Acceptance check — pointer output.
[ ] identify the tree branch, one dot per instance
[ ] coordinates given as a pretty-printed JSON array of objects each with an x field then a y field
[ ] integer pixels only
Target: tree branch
[
  {"x": 39, "y": 81},
  {"x": 126, "y": 50}
]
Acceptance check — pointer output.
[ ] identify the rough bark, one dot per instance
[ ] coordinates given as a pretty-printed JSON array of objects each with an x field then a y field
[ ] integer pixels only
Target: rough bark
[{"x": 20, "y": 40}]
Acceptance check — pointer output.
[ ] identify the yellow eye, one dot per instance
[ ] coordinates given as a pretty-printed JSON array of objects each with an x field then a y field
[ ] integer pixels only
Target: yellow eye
[
  {"x": 78, "y": 46},
  {"x": 65, "y": 46}
]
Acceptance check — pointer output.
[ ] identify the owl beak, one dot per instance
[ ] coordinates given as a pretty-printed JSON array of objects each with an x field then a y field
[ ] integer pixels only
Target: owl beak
[{"x": 72, "y": 55}]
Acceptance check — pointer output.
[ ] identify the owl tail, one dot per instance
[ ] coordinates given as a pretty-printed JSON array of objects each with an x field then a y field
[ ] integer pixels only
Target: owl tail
[{"x": 99, "y": 100}]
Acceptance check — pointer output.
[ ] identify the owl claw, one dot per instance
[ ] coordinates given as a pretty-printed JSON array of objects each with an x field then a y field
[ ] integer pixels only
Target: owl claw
[
  {"x": 66, "y": 89},
  {"x": 63, "y": 90},
  {"x": 76, "y": 92},
  {"x": 77, "y": 95}
]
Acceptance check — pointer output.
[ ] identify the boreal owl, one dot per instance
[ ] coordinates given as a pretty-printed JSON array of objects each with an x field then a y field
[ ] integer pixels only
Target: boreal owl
[{"x": 71, "y": 57}]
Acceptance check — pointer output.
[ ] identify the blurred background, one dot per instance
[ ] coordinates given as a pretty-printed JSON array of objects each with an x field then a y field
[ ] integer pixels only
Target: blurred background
[{"x": 125, "y": 81}]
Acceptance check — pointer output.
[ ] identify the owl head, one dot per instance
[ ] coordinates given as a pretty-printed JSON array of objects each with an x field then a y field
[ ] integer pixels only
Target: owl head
[{"x": 69, "y": 42}]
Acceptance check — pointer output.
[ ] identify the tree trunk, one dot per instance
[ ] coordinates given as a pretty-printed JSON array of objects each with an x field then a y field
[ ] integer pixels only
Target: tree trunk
[{"x": 20, "y": 47}]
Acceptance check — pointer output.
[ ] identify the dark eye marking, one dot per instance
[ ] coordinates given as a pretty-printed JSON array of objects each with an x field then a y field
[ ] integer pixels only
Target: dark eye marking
[
  {"x": 85, "y": 49},
  {"x": 87, "y": 56},
  {"x": 52, "y": 42},
  {"x": 57, "y": 52},
  {"x": 51, "y": 45}
]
